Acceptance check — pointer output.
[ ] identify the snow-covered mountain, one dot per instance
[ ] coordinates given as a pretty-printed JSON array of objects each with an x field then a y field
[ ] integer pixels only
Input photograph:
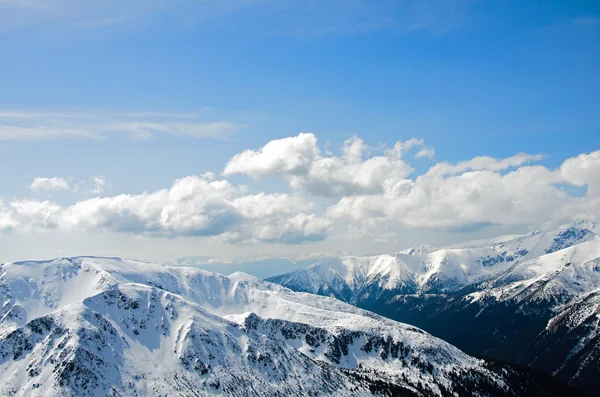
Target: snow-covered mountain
[
  {"x": 531, "y": 299},
  {"x": 426, "y": 269},
  {"x": 105, "y": 326}
]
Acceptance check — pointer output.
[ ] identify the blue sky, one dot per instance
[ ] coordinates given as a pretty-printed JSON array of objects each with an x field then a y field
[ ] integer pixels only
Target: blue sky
[{"x": 148, "y": 92}]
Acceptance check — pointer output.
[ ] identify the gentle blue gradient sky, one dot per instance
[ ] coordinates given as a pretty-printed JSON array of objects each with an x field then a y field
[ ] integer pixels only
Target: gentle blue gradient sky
[{"x": 471, "y": 78}]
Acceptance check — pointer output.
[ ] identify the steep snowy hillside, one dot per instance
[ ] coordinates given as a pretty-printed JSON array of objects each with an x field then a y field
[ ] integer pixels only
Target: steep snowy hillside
[
  {"x": 527, "y": 299},
  {"x": 104, "y": 326}
]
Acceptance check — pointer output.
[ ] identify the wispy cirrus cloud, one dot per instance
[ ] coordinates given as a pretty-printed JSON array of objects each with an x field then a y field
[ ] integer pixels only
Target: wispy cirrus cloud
[
  {"x": 100, "y": 125},
  {"x": 33, "y": 133},
  {"x": 74, "y": 14},
  {"x": 316, "y": 17},
  {"x": 144, "y": 130},
  {"x": 587, "y": 21}
]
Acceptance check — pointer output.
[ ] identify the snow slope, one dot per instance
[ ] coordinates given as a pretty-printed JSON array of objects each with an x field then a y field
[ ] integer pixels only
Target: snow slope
[
  {"x": 530, "y": 299},
  {"x": 557, "y": 277},
  {"x": 106, "y": 326},
  {"x": 427, "y": 269}
]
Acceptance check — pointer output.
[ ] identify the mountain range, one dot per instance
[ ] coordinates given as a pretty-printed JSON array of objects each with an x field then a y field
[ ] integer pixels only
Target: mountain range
[
  {"x": 91, "y": 326},
  {"x": 532, "y": 300}
]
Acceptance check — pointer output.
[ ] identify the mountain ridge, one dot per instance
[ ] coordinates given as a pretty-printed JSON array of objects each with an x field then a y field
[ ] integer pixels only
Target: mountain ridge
[
  {"x": 418, "y": 270},
  {"x": 92, "y": 326},
  {"x": 529, "y": 299}
]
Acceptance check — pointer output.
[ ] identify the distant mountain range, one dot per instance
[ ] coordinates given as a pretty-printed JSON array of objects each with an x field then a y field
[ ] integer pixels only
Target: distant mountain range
[
  {"x": 258, "y": 267},
  {"x": 532, "y": 300},
  {"x": 111, "y": 327}
]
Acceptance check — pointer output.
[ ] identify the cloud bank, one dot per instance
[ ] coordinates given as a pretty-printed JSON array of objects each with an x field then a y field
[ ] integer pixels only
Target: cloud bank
[{"x": 359, "y": 190}]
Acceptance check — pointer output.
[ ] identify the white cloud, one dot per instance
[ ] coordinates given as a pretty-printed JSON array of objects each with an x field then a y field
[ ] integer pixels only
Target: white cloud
[
  {"x": 94, "y": 185},
  {"x": 583, "y": 170},
  {"x": 8, "y": 220},
  {"x": 299, "y": 228},
  {"x": 145, "y": 130},
  {"x": 49, "y": 184},
  {"x": 35, "y": 133},
  {"x": 33, "y": 214},
  {"x": 100, "y": 125},
  {"x": 332, "y": 177},
  {"x": 401, "y": 148},
  {"x": 478, "y": 192},
  {"x": 353, "y": 150},
  {"x": 486, "y": 163},
  {"x": 292, "y": 155},
  {"x": 277, "y": 218},
  {"x": 362, "y": 193},
  {"x": 299, "y": 160},
  {"x": 99, "y": 183},
  {"x": 192, "y": 206},
  {"x": 304, "y": 18},
  {"x": 265, "y": 205},
  {"x": 426, "y": 152}
]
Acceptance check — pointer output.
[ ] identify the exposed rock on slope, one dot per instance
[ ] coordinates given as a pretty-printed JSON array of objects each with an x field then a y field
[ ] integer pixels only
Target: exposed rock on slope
[
  {"x": 530, "y": 299},
  {"x": 101, "y": 326}
]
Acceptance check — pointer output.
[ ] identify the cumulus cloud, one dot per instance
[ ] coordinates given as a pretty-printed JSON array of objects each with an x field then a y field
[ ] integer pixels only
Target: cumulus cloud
[
  {"x": 260, "y": 206},
  {"x": 369, "y": 192},
  {"x": 583, "y": 170},
  {"x": 99, "y": 183},
  {"x": 49, "y": 184},
  {"x": 426, "y": 152},
  {"x": 7, "y": 218},
  {"x": 95, "y": 185},
  {"x": 300, "y": 161},
  {"x": 192, "y": 206},
  {"x": 376, "y": 189},
  {"x": 477, "y": 193},
  {"x": 290, "y": 156},
  {"x": 296, "y": 229},
  {"x": 484, "y": 163}
]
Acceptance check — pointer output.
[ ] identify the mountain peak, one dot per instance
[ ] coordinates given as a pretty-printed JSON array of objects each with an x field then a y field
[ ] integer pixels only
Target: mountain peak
[
  {"x": 99, "y": 326},
  {"x": 241, "y": 276},
  {"x": 499, "y": 296}
]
